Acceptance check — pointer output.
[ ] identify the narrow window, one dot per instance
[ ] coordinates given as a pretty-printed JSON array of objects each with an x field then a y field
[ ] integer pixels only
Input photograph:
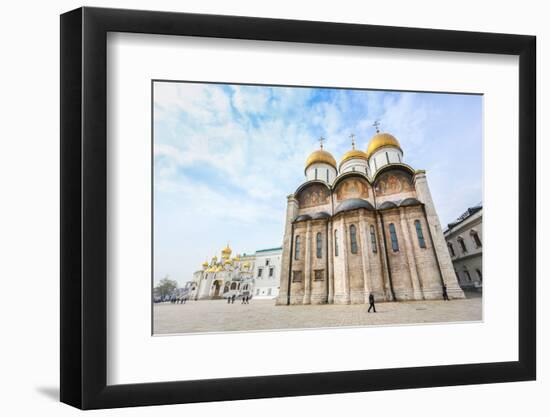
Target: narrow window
[
  {"x": 315, "y": 173},
  {"x": 419, "y": 234},
  {"x": 259, "y": 272},
  {"x": 353, "y": 238},
  {"x": 399, "y": 158},
  {"x": 468, "y": 275},
  {"x": 271, "y": 272},
  {"x": 476, "y": 238},
  {"x": 393, "y": 235},
  {"x": 319, "y": 245},
  {"x": 478, "y": 272},
  {"x": 267, "y": 262},
  {"x": 327, "y": 176},
  {"x": 451, "y": 249},
  {"x": 297, "y": 248},
  {"x": 373, "y": 239},
  {"x": 462, "y": 245},
  {"x": 366, "y": 171},
  {"x": 336, "y": 243},
  {"x": 374, "y": 160},
  {"x": 387, "y": 158}
]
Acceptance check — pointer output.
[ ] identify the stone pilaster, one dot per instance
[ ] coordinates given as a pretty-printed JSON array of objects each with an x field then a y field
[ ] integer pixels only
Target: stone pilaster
[
  {"x": 307, "y": 265},
  {"x": 438, "y": 240},
  {"x": 411, "y": 260},
  {"x": 384, "y": 261},
  {"x": 363, "y": 236},
  {"x": 291, "y": 213},
  {"x": 330, "y": 272}
]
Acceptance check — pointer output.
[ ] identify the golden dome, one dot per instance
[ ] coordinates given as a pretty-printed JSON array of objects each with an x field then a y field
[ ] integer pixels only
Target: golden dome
[
  {"x": 320, "y": 156},
  {"x": 227, "y": 250},
  {"x": 227, "y": 262},
  {"x": 380, "y": 140},
  {"x": 219, "y": 269},
  {"x": 205, "y": 264},
  {"x": 353, "y": 154}
]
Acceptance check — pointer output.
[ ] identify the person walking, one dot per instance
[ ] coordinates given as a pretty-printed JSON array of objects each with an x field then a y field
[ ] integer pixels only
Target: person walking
[
  {"x": 371, "y": 303},
  {"x": 233, "y": 299},
  {"x": 445, "y": 295},
  {"x": 228, "y": 300}
]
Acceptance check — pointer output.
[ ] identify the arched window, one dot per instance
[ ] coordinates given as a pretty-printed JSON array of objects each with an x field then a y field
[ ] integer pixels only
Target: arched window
[
  {"x": 393, "y": 236},
  {"x": 451, "y": 249},
  {"x": 478, "y": 272},
  {"x": 297, "y": 248},
  {"x": 353, "y": 238},
  {"x": 373, "y": 239},
  {"x": 336, "y": 243},
  {"x": 319, "y": 245},
  {"x": 476, "y": 238},
  {"x": 462, "y": 245},
  {"x": 419, "y": 234}
]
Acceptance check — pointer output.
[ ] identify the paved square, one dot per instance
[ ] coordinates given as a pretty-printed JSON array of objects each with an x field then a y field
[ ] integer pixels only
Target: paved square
[{"x": 218, "y": 316}]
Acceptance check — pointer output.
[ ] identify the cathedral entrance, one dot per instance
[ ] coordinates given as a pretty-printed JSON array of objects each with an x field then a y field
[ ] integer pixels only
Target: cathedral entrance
[{"x": 217, "y": 287}]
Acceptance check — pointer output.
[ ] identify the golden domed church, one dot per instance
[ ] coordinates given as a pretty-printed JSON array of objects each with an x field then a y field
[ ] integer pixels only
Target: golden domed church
[{"x": 365, "y": 225}]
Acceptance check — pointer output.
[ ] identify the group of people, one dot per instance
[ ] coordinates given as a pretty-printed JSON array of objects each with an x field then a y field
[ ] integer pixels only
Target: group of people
[{"x": 244, "y": 300}]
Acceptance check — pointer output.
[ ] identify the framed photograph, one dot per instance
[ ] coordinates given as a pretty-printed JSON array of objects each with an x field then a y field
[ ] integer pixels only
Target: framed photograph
[{"x": 257, "y": 208}]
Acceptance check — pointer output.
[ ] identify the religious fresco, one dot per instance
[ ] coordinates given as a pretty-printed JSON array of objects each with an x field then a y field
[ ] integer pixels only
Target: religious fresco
[
  {"x": 352, "y": 188},
  {"x": 393, "y": 183},
  {"x": 314, "y": 195}
]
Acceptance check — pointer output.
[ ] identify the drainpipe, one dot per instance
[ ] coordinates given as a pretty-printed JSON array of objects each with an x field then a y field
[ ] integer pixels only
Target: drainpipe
[{"x": 290, "y": 264}]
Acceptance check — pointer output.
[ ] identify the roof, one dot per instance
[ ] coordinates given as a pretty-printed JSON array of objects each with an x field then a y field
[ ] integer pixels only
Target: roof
[
  {"x": 270, "y": 249},
  {"x": 468, "y": 213},
  {"x": 353, "y": 204}
]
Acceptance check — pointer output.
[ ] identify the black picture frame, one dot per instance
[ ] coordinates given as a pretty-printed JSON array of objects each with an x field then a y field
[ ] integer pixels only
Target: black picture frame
[{"x": 84, "y": 207}]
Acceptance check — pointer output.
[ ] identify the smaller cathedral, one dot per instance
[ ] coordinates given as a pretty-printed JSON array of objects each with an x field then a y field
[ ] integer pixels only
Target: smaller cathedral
[
  {"x": 223, "y": 277},
  {"x": 364, "y": 225}
]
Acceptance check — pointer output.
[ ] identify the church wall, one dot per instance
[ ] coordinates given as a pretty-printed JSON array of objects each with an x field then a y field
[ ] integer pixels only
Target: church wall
[
  {"x": 291, "y": 213},
  {"x": 440, "y": 245},
  {"x": 313, "y": 199},
  {"x": 340, "y": 268},
  {"x": 375, "y": 276},
  {"x": 318, "y": 282},
  {"x": 426, "y": 263},
  {"x": 354, "y": 260},
  {"x": 399, "y": 264},
  {"x": 353, "y": 187},
  {"x": 298, "y": 265}
]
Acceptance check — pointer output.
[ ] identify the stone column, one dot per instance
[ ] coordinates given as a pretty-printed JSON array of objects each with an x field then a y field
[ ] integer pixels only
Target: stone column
[
  {"x": 363, "y": 237},
  {"x": 411, "y": 261},
  {"x": 291, "y": 213},
  {"x": 438, "y": 240},
  {"x": 330, "y": 272},
  {"x": 307, "y": 265}
]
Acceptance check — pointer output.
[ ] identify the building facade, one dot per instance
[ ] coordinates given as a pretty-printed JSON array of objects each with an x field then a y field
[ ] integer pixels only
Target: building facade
[
  {"x": 367, "y": 225},
  {"x": 267, "y": 273},
  {"x": 254, "y": 275},
  {"x": 465, "y": 243}
]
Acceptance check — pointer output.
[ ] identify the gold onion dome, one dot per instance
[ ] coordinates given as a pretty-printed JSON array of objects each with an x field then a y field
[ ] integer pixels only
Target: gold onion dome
[
  {"x": 227, "y": 250},
  {"x": 320, "y": 156},
  {"x": 227, "y": 262},
  {"x": 381, "y": 140},
  {"x": 205, "y": 264}
]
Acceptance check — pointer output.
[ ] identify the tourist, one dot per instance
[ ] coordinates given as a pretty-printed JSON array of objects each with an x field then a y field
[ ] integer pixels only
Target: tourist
[
  {"x": 371, "y": 303},
  {"x": 445, "y": 295}
]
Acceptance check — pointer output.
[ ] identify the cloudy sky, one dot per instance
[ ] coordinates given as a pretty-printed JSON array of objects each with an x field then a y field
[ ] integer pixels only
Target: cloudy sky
[{"x": 226, "y": 157}]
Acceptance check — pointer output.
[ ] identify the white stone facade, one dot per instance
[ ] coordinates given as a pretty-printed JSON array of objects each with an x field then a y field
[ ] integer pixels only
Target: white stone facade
[
  {"x": 464, "y": 239},
  {"x": 267, "y": 273}
]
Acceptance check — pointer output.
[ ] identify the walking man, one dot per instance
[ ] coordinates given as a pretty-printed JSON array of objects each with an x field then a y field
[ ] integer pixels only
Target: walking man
[
  {"x": 233, "y": 299},
  {"x": 371, "y": 303},
  {"x": 445, "y": 295}
]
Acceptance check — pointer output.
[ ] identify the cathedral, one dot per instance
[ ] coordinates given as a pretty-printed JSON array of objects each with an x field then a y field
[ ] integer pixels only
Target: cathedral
[
  {"x": 223, "y": 278},
  {"x": 365, "y": 225}
]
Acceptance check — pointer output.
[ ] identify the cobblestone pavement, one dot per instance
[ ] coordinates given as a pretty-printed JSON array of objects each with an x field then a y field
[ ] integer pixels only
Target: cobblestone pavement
[{"x": 218, "y": 316}]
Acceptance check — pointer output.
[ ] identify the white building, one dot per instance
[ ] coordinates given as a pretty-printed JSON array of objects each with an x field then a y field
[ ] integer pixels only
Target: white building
[
  {"x": 464, "y": 240},
  {"x": 267, "y": 273}
]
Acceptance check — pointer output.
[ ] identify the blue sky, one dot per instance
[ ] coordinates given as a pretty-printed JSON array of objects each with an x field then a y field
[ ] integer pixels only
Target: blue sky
[{"x": 226, "y": 157}]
